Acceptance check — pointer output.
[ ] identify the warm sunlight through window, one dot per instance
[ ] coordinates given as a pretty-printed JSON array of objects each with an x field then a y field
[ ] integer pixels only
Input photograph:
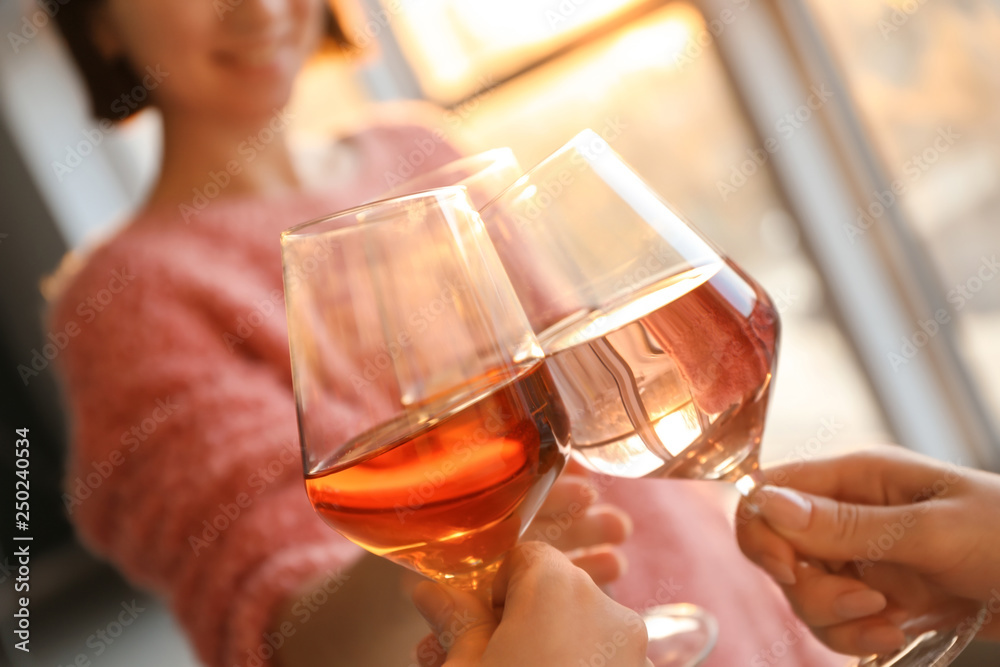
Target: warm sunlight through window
[{"x": 457, "y": 47}]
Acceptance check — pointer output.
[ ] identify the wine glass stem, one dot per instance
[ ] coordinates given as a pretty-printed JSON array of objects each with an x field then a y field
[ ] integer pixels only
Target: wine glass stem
[
  {"x": 749, "y": 483},
  {"x": 935, "y": 647},
  {"x": 478, "y": 582}
]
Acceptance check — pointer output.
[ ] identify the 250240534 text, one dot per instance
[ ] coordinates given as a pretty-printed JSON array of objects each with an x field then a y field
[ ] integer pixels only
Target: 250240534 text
[{"x": 22, "y": 556}]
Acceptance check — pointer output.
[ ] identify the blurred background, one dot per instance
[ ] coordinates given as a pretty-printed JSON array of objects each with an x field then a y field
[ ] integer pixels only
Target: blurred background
[{"x": 846, "y": 154}]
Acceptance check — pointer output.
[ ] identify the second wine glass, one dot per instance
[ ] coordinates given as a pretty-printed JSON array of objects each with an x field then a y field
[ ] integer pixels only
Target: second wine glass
[{"x": 662, "y": 349}]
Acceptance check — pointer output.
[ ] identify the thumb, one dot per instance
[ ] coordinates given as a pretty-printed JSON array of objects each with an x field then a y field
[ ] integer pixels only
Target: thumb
[
  {"x": 462, "y": 623},
  {"x": 831, "y": 530}
]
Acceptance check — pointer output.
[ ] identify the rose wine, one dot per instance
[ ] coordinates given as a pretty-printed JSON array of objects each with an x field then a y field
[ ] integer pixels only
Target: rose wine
[
  {"x": 674, "y": 381},
  {"x": 453, "y": 496}
]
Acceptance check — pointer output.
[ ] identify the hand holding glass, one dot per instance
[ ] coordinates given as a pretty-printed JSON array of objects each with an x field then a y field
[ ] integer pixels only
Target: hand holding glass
[{"x": 662, "y": 349}]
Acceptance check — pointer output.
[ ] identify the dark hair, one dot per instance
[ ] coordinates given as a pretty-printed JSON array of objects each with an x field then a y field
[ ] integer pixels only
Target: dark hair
[{"x": 107, "y": 81}]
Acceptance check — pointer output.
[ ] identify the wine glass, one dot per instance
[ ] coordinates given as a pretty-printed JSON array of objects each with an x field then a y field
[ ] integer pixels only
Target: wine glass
[
  {"x": 429, "y": 424},
  {"x": 680, "y": 635},
  {"x": 662, "y": 349},
  {"x": 484, "y": 175}
]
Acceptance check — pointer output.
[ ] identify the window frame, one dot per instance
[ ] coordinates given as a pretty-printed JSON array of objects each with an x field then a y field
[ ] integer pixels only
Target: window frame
[
  {"x": 881, "y": 287},
  {"x": 884, "y": 285}
]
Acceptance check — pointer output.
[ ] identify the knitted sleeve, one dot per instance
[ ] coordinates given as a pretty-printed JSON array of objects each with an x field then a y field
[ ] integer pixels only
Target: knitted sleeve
[{"x": 184, "y": 470}]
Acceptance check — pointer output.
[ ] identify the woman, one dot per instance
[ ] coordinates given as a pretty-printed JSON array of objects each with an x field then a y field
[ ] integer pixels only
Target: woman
[{"x": 181, "y": 382}]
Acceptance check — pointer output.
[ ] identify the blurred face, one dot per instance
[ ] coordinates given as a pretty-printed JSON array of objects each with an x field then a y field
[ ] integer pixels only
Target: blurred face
[{"x": 222, "y": 58}]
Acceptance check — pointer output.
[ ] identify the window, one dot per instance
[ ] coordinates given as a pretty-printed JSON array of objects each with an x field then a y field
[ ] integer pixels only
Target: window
[
  {"x": 456, "y": 48},
  {"x": 924, "y": 77},
  {"x": 663, "y": 100},
  {"x": 739, "y": 114}
]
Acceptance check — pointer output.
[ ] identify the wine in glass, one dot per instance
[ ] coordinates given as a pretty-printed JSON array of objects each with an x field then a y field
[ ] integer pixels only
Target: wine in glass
[
  {"x": 662, "y": 349},
  {"x": 680, "y": 635},
  {"x": 430, "y": 427}
]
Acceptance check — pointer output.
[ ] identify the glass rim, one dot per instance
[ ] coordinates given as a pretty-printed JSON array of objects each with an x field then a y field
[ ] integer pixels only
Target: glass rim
[
  {"x": 483, "y": 156},
  {"x": 303, "y": 230},
  {"x": 571, "y": 144}
]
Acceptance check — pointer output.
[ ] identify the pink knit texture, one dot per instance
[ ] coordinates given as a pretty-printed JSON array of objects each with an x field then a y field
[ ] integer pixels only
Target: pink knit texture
[
  {"x": 181, "y": 383},
  {"x": 684, "y": 550}
]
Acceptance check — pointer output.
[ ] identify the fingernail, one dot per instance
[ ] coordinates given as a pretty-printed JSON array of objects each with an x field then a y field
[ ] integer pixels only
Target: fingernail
[
  {"x": 881, "y": 639},
  {"x": 622, "y": 562},
  {"x": 590, "y": 494},
  {"x": 779, "y": 571},
  {"x": 784, "y": 508},
  {"x": 627, "y": 524},
  {"x": 859, "y": 604},
  {"x": 433, "y": 603}
]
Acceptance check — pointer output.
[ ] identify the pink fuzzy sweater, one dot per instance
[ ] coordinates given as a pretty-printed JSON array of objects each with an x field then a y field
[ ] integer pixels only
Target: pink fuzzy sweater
[{"x": 185, "y": 469}]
